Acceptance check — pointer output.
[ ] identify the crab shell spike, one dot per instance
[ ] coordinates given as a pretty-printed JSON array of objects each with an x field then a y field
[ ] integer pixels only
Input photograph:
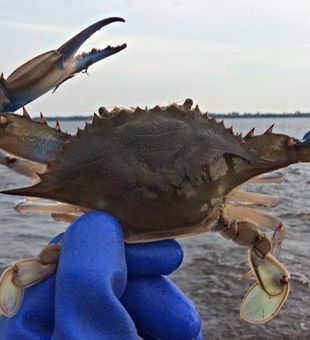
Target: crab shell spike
[
  {"x": 155, "y": 109},
  {"x": 197, "y": 109},
  {"x": 138, "y": 110},
  {"x": 259, "y": 307},
  {"x": 230, "y": 129},
  {"x": 269, "y": 130},
  {"x": 79, "y": 131},
  {"x": 206, "y": 116},
  {"x": 96, "y": 119},
  {"x": 57, "y": 126},
  {"x": 2, "y": 80},
  {"x": 250, "y": 133},
  {"x": 31, "y": 271},
  {"x": 43, "y": 120},
  {"x": 11, "y": 296},
  {"x": 239, "y": 137},
  {"x": 25, "y": 113}
]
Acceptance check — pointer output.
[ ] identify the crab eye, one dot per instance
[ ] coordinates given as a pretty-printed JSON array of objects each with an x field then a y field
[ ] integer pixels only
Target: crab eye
[{"x": 259, "y": 307}]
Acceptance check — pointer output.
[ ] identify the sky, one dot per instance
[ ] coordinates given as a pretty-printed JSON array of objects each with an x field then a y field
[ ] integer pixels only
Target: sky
[{"x": 227, "y": 55}]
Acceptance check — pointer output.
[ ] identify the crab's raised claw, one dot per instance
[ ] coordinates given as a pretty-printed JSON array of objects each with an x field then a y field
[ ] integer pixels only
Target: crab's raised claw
[{"x": 50, "y": 69}]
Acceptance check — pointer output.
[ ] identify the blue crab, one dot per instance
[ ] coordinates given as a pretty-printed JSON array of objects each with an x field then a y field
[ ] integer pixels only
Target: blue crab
[{"x": 163, "y": 172}]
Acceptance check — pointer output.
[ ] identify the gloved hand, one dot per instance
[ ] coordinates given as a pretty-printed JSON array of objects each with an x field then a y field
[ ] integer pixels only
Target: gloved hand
[{"x": 90, "y": 296}]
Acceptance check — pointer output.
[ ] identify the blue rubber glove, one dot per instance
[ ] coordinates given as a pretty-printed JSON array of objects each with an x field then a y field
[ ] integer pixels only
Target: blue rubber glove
[{"x": 91, "y": 296}]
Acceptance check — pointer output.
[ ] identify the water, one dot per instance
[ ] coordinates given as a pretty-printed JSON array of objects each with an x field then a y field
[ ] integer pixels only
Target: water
[{"x": 212, "y": 266}]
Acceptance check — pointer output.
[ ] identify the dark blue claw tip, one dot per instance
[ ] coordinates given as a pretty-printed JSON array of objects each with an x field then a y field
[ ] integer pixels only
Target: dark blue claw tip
[
  {"x": 306, "y": 138},
  {"x": 85, "y": 60},
  {"x": 69, "y": 48}
]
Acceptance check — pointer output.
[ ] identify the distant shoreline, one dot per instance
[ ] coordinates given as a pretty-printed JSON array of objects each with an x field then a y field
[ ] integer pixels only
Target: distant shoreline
[{"x": 216, "y": 115}]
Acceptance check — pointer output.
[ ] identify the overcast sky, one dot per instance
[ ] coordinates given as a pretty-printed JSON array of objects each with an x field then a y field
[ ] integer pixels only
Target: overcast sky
[{"x": 228, "y": 55}]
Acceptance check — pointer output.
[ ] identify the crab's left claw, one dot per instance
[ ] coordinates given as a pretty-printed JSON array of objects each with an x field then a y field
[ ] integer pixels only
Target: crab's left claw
[{"x": 50, "y": 69}]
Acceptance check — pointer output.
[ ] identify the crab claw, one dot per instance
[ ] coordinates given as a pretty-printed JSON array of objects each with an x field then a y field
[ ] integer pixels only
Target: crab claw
[
  {"x": 82, "y": 62},
  {"x": 50, "y": 69}
]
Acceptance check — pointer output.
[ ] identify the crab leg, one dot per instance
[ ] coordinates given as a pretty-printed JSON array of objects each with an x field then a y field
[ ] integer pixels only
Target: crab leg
[
  {"x": 22, "y": 166},
  {"x": 48, "y": 70},
  {"x": 30, "y": 206},
  {"x": 64, "y": 217},
  {"x": 25, "y": 273},
  {"x": 253, "y": 199},
  {"x": 264, "y": 220},
  {"x": 272, "y": 287},
  {"x": 266, "y": 297},
  {"x": 259, "y": 307},
  {"x": 269, "y": 178},
  {"x": 245, "y": 233}
]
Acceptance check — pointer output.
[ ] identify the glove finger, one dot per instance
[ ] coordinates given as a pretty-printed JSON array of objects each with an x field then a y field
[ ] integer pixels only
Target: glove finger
[
  {"x": 91, "y": 276},
  {"x": 156, "y": 258},
  {"x": 160, "y": 310}
]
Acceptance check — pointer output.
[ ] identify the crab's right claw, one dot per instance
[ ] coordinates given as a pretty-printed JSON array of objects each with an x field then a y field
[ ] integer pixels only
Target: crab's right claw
[{"x": 50, "y": 69}]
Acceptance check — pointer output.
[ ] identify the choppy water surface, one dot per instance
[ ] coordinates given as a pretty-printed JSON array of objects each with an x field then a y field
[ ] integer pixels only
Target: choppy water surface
[{"x": 212, "y": 266}]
